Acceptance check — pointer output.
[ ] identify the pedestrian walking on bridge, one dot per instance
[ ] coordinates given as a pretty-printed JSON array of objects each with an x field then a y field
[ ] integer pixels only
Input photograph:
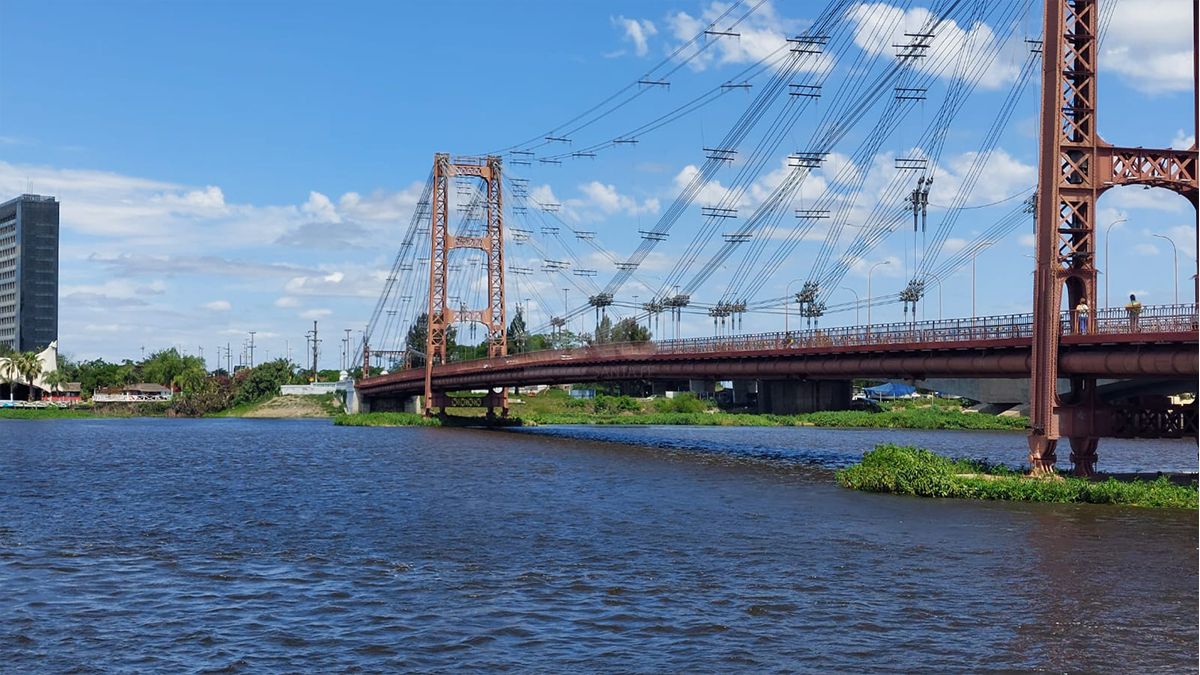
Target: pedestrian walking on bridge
[{"x": 1081, "y": 315}]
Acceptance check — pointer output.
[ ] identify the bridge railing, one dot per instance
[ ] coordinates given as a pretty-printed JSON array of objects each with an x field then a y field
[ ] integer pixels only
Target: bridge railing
[{"x": 1112, "y": 321}]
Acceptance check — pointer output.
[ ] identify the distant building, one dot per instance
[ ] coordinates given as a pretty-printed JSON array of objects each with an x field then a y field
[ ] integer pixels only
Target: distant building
[{"x": 29, "y": 272}]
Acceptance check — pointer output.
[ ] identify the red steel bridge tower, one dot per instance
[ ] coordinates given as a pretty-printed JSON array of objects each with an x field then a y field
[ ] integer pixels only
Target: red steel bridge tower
[
  {"x": 441, "y": 315},
  {"x": 1075, "y": 167}
]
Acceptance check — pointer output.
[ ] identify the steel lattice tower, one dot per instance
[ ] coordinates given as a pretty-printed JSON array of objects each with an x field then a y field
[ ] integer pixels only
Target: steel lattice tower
[
  {"x": 441, "y": 242},
  {"x": 1075, "y": 167}
]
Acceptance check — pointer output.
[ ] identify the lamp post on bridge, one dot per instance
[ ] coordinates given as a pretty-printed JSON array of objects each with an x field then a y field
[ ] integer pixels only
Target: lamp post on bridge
[
  {"x": 939, "y": 283},
  {"x": 857, "y": 304},
  {"x": 869, "y": 273},
  {"x": 787, "y": 303},
  {"x": 1175, "y": 274},
  {"x": 1106, "y": 267},
  {"x": 973, "y": 254}
]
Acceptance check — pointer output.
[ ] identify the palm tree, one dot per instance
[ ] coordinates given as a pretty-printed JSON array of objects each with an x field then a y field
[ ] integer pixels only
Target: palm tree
[
  {"x": 189, "y": 380},
  {"x": 28, "y": 367},
  {"x": 8, "y": 372},
  {"x": 55, "y": 379}
]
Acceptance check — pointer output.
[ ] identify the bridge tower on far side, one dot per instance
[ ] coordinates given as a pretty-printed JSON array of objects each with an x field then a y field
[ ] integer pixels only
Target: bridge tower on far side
[
  {"x": 1075, "y": 166},
  {"x": 441, "y": 242}
]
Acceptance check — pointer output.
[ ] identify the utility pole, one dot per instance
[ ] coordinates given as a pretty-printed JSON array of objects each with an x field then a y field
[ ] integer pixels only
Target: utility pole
[
  {"x": 315, "y": 342},
  {"x": 346, "y": 351},
  {"x": 228, "y": 360},
  {"x": 252, "y": 348}
]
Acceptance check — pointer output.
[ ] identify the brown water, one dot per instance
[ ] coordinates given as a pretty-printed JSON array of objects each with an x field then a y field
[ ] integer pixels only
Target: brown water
[{"x": 188, "y": 545}]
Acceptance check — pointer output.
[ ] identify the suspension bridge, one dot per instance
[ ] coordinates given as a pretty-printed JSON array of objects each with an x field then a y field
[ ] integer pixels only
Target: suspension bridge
[{"x": 848, "y": 95}]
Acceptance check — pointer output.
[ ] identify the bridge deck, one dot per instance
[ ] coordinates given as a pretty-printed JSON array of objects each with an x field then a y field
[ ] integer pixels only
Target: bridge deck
[{"x": 1162, "y": 342}]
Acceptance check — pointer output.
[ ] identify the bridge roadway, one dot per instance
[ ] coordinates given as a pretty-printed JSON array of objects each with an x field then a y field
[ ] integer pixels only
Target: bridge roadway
[{"x": 1162, "y": 344}]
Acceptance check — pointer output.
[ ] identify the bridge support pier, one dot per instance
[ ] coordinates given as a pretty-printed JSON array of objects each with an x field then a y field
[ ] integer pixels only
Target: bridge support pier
[
  {"x": 1042, "y": 457},
  {"x": 1082, "y": 426},
  {"x": 742, "y": 389},
  {"x": 793, "y": 397},
  {"x": 1083, "y": 454}
]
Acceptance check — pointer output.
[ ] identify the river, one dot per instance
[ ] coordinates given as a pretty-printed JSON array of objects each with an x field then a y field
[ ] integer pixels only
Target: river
[{"x": 248, "y": 545}]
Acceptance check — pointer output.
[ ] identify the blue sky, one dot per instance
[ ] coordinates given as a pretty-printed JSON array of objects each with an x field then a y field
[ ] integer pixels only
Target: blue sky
[{"x": 235, "y": 166}]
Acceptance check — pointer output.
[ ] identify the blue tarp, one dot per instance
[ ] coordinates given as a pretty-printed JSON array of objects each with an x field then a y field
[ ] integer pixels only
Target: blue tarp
[{"x": 890, "y": 390}]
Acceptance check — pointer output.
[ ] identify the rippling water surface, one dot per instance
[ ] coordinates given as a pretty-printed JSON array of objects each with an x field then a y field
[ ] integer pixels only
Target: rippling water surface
[{"x": 195, "y": 545}]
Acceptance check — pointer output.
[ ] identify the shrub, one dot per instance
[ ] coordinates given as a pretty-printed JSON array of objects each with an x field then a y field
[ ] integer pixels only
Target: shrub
[
  {"x": 614, "y": 405},
  {"x": 208, "y": 396},
  {"x": 261, "y": 381},
  {"x": 681, "y": 403}
]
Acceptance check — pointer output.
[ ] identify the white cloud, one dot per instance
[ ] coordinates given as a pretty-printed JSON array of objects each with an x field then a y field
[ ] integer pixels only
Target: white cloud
[
  {"x": 1131, "y": 197},
  {"x": 1145, "y": 249},
  {"x": 760, "y": 35},
  {"x": 954, "y": 244},
  {"x": 1149, "y": 44},
  {"x": 218, "y": 306},
  {"x": 314, "y": 314},
  {"x": 143, "y": 214},
  {"x": 318, "y": 206},
  {"x": 879, "y": 26},
  {"x": 637, "y": 32},
  {"x": 1183, "y": 140},
  {"x": 287, "y": 301},
  {"x": 609, "y": 200},
  {"x": 543, "y": 194}
]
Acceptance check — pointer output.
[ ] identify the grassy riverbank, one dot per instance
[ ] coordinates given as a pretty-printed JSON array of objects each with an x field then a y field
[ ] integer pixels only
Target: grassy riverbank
[
  {"x": 909, "y": 418},
  {"x": 912, "y": 471},
  {"x": 386, "y": 419},
  {"x": 557, "y": 407},
  {"x": 286, "y": 407},
  {"x": 87, "y": 411},
  {"x": 46, "y": 413}
]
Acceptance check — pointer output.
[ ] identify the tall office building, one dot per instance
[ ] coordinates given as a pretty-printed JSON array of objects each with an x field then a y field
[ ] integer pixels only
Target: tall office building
[{"x": 29, "y": 272}]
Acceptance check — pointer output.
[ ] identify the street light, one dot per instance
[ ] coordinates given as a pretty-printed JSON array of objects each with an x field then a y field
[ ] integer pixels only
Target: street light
[
  {"x": 973, "y": 254},
  {"x": 1175, "y": 252},
  {"x": 788, "y": 302},
  {"x": 1106, "y": 267},
  {"x": 857, "y": 304},
  {"x": 869, "y": 272},
  {"x": 939, "y": 283}
]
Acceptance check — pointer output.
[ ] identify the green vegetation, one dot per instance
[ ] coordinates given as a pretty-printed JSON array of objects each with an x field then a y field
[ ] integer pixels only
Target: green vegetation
[
  {"x": 913, "y": 471},
  {"x": 88, "y": 411},
  {"x": 20, "y": 367},
  {"x": 683, "y": 403},
  {"x": 46, "y": 413},
  {"x": 556, "y": 406},
  {"x": 914, "y": 418},
  {"x": 386, "y": 419}
]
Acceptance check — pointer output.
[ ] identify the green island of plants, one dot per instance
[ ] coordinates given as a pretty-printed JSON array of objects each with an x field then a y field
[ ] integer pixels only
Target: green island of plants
[{"x": 907, "y": 470}]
